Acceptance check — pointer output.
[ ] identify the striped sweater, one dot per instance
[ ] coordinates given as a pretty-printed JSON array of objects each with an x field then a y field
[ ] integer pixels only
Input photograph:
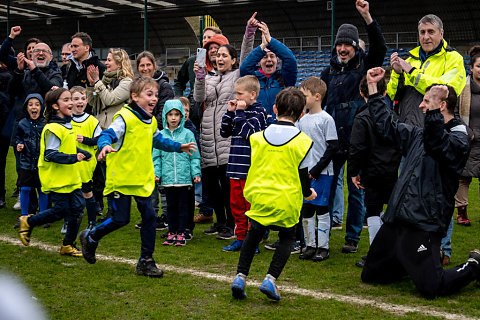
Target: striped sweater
[{"x": 240, "y": 125}]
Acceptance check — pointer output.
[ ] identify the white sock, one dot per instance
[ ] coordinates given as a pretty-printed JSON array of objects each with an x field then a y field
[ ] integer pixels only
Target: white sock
[
  {"x": 323, "y": 230},
  {"x": 309, "y": 231},
  {"x": 374, "y": 223}
]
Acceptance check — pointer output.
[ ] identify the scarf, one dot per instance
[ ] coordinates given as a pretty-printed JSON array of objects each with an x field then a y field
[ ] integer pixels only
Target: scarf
[{"x": 109, "y": 76}]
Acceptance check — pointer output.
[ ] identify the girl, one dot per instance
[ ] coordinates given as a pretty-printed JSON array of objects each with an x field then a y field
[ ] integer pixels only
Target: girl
[
  {"x": 58, "y": 175},
  {"x": 176, "y": 173},
  {"x": 128, "y": 143}
]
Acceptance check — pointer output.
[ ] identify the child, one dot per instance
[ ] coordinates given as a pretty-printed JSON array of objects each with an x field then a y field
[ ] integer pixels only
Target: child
[
  {"x": 28, "y": 146},
  {"x": 320, "y": 127},
  {"x": 87, "y": 130},
  {"x": 58, "y": 174},
  {"x": 176, "y": 172},
  {"x": 274, "y": 188},
  {"x": 373, "y": 163},
  {"x": 128, "y": 143},
  {"x": 244, "y": 117}
]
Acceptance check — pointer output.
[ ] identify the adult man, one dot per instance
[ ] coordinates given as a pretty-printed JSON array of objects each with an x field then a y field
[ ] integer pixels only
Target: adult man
[
  {"x": 434, "y": 61},
  {"x": 347, "y": 67},
  {"x": 82, "y": 56},
  {"x": 422, "y": 202},
  {"x": 66, "y": 51}
]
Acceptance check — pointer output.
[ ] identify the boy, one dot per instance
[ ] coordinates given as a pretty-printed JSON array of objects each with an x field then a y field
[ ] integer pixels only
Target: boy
[
  {"x": 244, "y": 117},
  {"x": 87, "y": 130},
  {"x": 320, "y": 127},
  {"x": 373, "y": 163},
  {"x": 130, "y": 172},
  {"x": 274, "y": 188}
]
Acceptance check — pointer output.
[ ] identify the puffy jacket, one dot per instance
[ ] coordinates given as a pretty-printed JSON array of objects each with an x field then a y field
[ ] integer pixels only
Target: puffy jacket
[
  {"x": 444, "y": 67},
  {"x": 343, "y": 96},
  {"x": 277, "y": 81},
  {"x": 28, "y": 133},
  {"x": 77, "y": 77},
  {"x": 375, "y": 159},
  {"x": 216, "y": 90},
  {"x": 108, "y": 100},
  {"x": 423, "y": 197},
  {"x": 165, "y": 92},
  {"x": 176, "y": 168}
]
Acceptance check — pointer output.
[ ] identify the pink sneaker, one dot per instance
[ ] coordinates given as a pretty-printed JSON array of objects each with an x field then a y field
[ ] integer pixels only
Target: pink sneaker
[
  {"x": 180, "y": 241},
  {"x": 171, "y": 237}
]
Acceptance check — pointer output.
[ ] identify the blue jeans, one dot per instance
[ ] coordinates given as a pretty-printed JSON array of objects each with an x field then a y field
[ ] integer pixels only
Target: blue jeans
[
  {"x": 336, "y": 202},
  {"x": 446, "y": 243},
  {"x": 356, "y": 206}
]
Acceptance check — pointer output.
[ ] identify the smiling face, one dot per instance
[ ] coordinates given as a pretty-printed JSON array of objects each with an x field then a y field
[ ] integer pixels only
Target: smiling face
[
  {"x": 174, "y": 117},
  {"x": 111, "y": 64},
  {"x": 147, "y": 99},
  {"x": 269, "y": 62},
  {"x": 212, "y": 52},
  {"x": 345, "y": 52},
  {"x": 146, "y": 67},
  {"x": 224, "y": 60},
  {"x": 475, "y": 68},
  {"x": 207, "y": 35},
  {"x": 30, "y": 48},
  {"x": 33, "y": 108},
  {"x": 429, "y": 36},
  {"x": 79, "y": 101},
  {"x": 79, "y": 50},
  {"x": 64, "y": 105},
  {"x": 41, "y": 55}
]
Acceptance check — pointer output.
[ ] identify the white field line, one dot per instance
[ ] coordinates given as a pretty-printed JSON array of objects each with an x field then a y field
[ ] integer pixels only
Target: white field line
[{"x": 388, "y": 307}]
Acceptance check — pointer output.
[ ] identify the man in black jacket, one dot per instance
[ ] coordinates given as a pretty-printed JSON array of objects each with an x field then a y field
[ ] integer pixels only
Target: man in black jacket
[
  {"x": 348, "y": 65},
  {"x": 422, "y": 201}
]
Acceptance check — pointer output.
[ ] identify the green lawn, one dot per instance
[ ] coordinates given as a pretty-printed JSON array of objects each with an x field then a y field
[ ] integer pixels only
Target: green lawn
[{"x": 69, "y": 288}]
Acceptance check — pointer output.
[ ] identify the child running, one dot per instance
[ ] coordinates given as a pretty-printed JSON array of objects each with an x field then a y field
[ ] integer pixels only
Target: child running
[
  {"x": 244, "y": 117},
  {"x": 176, "y": 172},
  {"x": 320, "y": 127},
  {"x": 128, "y": 143},
  {"x": 28, "y": 146},
  {"x": 87, "y": 131},
  {"x": 274, "y": 188},
  {"x": 58, "y": 174}
]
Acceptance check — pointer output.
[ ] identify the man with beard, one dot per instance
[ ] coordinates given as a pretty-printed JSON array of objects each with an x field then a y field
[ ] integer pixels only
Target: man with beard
[{"x": 347, "y": 66}]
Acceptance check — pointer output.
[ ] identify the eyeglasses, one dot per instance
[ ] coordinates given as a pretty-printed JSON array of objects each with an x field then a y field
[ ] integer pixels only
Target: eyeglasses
[
  {"x": 41, "y": 50},
  {"x": 65, "y": 54}
]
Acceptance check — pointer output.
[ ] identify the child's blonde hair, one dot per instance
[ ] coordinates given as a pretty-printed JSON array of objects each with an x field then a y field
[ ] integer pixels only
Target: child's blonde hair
[
  {"x": 249, "y": 83},
  {"x": 314, "y": 85},
  {"x": 79, "y": 89}
]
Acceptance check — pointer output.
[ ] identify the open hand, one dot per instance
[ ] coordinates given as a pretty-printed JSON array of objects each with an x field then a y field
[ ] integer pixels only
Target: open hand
[
  {"x": 356, "y": 181},
  {"x": 189, "y": 148},
  {"x": 106, "y": 150}
]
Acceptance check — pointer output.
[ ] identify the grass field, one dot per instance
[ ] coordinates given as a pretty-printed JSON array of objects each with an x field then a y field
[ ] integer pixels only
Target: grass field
[{"x": 196, "y": 284}]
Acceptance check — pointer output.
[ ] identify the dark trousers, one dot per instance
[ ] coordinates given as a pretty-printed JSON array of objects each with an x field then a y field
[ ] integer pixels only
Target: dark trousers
[
  {"x": 68, "y": 206},
  {"x": 218, "y": 198},
  {"x": 178, "y": 205},
  {"x": 121, "y": 216},
  {"x": 4, "y": 145},
  {"x": 398, "y": 251},
  {"x": 376, "y": 195},
  {"x": 280, "y": 257}
]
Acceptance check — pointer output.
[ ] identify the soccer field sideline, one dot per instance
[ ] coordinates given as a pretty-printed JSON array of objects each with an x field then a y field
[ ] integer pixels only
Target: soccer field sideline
[{"x": 395, "y": 309}]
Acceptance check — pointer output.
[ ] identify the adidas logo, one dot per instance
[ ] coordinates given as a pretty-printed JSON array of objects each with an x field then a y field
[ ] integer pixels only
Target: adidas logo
[{"x": 421, "y": 248}]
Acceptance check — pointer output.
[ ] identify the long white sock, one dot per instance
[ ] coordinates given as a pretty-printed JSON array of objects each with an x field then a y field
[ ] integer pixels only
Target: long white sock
[
  {"x": 309, "y": 231},
  {"x": 323, "y": 230},
  {"x": 374, "y": 223}
]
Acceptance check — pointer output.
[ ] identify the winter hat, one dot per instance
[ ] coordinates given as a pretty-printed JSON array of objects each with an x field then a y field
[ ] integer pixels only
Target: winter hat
[{"x": 347, "y": 33}]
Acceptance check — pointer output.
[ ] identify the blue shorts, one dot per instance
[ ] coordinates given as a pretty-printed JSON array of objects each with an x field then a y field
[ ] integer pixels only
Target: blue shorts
[{"x": 322, "y": 188}]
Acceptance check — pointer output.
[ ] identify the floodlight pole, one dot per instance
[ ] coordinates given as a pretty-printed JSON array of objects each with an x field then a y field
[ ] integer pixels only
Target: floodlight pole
[
  {"x": 8, "y": 16},
  {"x": 333, "y": 24},
  {"x": 145, "y": 25}
]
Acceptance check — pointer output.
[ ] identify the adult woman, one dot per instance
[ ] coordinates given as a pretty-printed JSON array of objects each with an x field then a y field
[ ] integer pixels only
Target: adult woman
[
  {"x": 110, "y": 94},
  {"x": 469, "y": 110},
  {"x": 147, "y": 67},
  {"x": 216, "y": 90}
]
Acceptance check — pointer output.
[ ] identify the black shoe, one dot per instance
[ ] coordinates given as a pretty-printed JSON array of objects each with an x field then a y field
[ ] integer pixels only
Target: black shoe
[
  {"x": 212, "y": 230},
  {"x": 188, "y": 234},
  {"x": 17, "y": 224},
  {"x": 161, "y": 225},
  {"x": 321, "y": 254},
  {"x": 88, "y": 247},
  {"x": 147, "y": 267},
  {"x": 164, "y": 235},
  {"x": 2, "y": 202},
  {"x": 138, "y": 225},
  {"x": 350, "y": 246},
  {"x": 272, "y": 246},
  {"x": 226, "y": 233},
  {"x": 360, "y": 264},
  {"x": 308, "y": 253}
]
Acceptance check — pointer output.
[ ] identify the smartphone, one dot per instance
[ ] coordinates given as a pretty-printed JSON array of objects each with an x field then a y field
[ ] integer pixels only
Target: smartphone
[{"x": 201, "y": 55}]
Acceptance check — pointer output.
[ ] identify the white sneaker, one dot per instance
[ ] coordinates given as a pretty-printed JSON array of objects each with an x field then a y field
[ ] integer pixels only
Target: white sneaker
[{"x": 17, "y": 206}]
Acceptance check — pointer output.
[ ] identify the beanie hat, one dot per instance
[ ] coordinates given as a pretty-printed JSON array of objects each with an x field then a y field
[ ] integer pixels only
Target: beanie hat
[{"x": 347, "y": 33}]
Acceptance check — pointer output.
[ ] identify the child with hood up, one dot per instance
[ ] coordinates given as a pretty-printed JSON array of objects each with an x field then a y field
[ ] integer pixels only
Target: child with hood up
[
  {"x": 27, "y": 141},
  {"x": 176, "y": 172}
]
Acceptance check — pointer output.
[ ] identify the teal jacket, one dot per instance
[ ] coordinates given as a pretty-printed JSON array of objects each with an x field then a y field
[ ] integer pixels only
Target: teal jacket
[{"x": 176, "y": 168}]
